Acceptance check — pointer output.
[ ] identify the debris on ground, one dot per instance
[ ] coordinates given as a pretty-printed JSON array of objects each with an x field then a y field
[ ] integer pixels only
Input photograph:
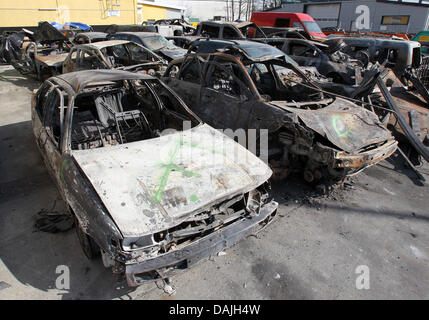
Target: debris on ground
[
  {"x": 167, "y": 287},
  {"x": 53, "y": 221}
]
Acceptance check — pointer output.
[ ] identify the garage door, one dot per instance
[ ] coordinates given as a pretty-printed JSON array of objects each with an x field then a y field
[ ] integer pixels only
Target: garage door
[
  {"x": 326, "y": 15},
  {"x": 174, "y": 14}
]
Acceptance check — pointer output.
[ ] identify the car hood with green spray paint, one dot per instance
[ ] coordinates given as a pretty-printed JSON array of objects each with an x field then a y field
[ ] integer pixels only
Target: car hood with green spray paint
[
  {"x": 347, "y": 126},
  {"x": 152, "y": 185}
]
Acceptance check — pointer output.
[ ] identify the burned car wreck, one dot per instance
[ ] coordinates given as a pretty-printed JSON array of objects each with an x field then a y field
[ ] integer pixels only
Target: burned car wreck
[
  {"x": 41, "y": 53},
  {"x": 325, "y": 137},
  {"x": 359, "y": 86},
  {"x": 153, "y": 41},
  {"x": 326, "y": 57},
  {"x": 114, "y": 54},
  {"x": 151, "y": 186}
]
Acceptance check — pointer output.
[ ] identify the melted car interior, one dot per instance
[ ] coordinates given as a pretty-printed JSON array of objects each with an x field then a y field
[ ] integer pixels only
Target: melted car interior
[{"x": 125, "y": 111}]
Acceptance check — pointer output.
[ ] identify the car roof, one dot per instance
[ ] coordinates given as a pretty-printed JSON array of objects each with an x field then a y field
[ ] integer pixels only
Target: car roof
[
  {"x": 244, "y": 45},
  {"x": 93, "y": 35},
  {"x": 239, "y": 25},
  {"x": 139, "y": 34},
  {"x": 104, "y": 44},
  {"x": 80, "y": 79},
  {"x": 237, "y": 43}
]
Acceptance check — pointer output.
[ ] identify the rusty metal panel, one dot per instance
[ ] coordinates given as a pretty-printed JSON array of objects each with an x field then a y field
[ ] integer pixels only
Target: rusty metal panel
[{"x": 346, "y": 125}]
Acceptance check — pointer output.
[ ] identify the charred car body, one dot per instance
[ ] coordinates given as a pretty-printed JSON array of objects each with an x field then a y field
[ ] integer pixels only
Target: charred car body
[
  {"x": 327, "y": 138},
  {"x": 400, "y": 55},
  {"x": 187, "y": 28},
  {"x": 114, "y": 54},
  {"x": 363, "y": 83},
  {"x": 153, "y": 41},
  {"x": 89, "y": 37},
  {"x": 326, "y": 57},
  {"x": 41, "y": 53},
  {"x": 154, "y": 202},
  {"x": 221, "y": 31}
]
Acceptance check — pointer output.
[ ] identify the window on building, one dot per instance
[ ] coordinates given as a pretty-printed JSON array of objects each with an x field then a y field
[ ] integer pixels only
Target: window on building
[{"x": 395, "y": 20}]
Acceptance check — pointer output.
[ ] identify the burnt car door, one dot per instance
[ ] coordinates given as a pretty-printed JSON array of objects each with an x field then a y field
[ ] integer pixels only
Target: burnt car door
[
  {"x": 48, "y": 121},
  {"x": 187, "y": 81},
  {"x": 225, "y": 94}
]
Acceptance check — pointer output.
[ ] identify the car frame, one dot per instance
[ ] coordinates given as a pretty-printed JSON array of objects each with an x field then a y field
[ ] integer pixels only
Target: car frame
[
  {"x": 300, "y": 135},
  {"x": 169, "y": 52},
  {"x": 94, "y": 56},
  {"x": 158, "y": 233}
]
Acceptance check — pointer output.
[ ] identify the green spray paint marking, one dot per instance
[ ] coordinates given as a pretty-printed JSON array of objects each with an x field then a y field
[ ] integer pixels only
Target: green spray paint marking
[
  {"x": 64, "y": 167},
  {"x": 341, "y": 131},
  {"x": 170, "y": 167}
]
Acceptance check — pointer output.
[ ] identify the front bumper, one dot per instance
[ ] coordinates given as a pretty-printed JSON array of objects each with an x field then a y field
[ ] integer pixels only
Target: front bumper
[
  {"x": 169, "y": 263},
  {"x": 367, "y": 158}
]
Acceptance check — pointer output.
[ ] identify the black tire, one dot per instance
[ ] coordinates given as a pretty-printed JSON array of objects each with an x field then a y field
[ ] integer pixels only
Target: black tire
[{"x": 88, "y": 245}]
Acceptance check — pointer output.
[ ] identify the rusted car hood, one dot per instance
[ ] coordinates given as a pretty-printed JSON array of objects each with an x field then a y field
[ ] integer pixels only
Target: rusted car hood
[
  {"x": 346, "y": 125},
  {"x": 149, "y": 186}
]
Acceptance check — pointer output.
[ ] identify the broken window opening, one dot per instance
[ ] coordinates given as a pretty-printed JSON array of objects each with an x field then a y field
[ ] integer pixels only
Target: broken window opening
[{"x": 125, "y": 113}]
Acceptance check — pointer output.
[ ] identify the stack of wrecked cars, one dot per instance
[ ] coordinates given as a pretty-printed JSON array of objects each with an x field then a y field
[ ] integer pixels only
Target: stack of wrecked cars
[{"x": 170, "y": 163}]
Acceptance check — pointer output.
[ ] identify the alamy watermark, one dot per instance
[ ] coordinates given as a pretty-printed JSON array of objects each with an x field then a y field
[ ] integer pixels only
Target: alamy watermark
[
  {"x": 62, "y": 281},
  {"x": 362, "y": 280}
]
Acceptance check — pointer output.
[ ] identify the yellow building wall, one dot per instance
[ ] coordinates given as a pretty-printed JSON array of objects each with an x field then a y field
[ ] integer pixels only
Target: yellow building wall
[
  {"x": 153, "y": 12},
  {"x": 16, "y": 13}
]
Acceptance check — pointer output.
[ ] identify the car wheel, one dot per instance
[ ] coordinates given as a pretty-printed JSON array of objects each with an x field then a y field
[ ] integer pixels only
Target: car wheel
[{"x": 88, "y": 245}]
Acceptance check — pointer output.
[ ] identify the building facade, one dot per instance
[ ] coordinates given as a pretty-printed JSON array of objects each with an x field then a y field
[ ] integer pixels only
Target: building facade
[
  {"x": 16, "y": 14},
  {"x": 151, "y": 10},
  {"x": 24, "y": 13},
  {"x": 399, "y": 16}
]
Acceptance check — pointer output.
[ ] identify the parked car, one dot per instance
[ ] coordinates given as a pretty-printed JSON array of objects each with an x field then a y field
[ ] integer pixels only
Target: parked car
[
  {"x": 400, "y": 55},
  {"x": 228, "y": 30},
  {"x": 153, "y": 41},
  {"x": 185, "y": 27},
  {"x": 220, "y": 30},
  {"x": 113, "y": 28},
  {"x": 11, "y": 45},
  {"x": 423, "y": 38},
  {"x": 41, "y": 53},
  {"x": 326, "y": 57},
  {"x": 89, "y": 37},
  {"x": 151, "y": 187},
  {"x": 288, "y": 20},
  {"x": 114, "y": 54},
  {"x": 256, "y": 87},
  {"x": 358, "y": 87}
]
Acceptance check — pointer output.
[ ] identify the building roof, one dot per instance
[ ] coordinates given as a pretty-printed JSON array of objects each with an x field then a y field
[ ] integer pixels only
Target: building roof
[{"x": 159, "y": 4}]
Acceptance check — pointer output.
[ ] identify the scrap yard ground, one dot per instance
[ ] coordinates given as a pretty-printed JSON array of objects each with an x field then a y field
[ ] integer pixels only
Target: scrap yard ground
[{"x": 311, "y": 251}]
